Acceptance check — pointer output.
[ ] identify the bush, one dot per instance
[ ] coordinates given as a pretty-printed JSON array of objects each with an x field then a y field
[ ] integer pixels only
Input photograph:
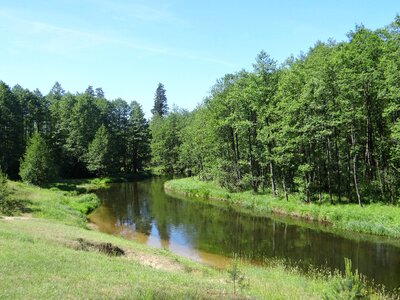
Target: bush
[
  {"x": 5, "y": 206},
  {"x": 227, "y": 178},
  {"x": 352, "y": 286}
]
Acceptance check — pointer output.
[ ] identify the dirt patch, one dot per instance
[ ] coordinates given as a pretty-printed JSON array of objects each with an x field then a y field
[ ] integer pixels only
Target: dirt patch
[
  {"x": 151, "y": 260},
  {"x": 154, "y": 261},
  {"x": 13, "y": 218},
  {"x": 92, "y": 226},
  {"x": 105, "y": 248}
]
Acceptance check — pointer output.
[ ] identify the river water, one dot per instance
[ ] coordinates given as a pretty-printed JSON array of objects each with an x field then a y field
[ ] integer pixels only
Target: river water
[{"x": 142, "y": 211}]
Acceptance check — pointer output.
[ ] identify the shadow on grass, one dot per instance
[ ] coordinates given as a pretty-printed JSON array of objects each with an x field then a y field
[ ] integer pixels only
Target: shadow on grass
[
  {"x": 67, "y": 187},
  {"x": 12, "y": 207}
]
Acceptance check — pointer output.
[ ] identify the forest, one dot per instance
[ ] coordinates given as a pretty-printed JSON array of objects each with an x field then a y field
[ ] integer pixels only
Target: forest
[
  {"x": 69, "y": 135},
  {"x": 324, "y": 125}
]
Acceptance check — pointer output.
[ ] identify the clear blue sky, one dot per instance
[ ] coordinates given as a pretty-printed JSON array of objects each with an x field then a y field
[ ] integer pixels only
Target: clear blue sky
[{"x": 127, "y": 47}]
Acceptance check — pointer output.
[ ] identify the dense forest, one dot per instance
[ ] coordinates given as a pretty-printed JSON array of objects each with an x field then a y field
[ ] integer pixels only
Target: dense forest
[
  {"x": 325, "y": 125},
  {"x": 70, "y": 135}
]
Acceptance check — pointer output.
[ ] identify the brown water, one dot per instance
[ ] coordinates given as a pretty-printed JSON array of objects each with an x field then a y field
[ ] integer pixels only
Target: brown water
[{"x": 142, "y": 211}]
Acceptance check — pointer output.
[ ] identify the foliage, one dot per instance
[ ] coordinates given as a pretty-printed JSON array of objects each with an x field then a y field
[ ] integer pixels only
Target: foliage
[
  {"x": 138, "y": 139},
  {"x": 11, "y": 131},
  {"x": 160, "y": 101},
  {"x": 324, "y": 123},
  {"x": 4, "y": 194},
  {"x": 166, "y": 140},
  {"x": 237, "y": 276},
  {"x": 69, "y": 123},
  {"x": 37, "y": 165},
  {"x": 352, "y": 286},
  {"x": 98, "y": 157}
]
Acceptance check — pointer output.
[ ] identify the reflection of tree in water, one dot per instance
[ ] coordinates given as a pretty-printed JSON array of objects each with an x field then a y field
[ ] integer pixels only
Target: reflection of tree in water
[
  {"x": 225, "y": 231},
  {"x": 141, "y": 211},
  {"x": 129, "y": 206},
  {"x": 160, "y": 210}
]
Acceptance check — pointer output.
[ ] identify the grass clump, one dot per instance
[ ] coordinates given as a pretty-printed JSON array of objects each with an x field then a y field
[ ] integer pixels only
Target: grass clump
[{"x": 374, "y": 218}]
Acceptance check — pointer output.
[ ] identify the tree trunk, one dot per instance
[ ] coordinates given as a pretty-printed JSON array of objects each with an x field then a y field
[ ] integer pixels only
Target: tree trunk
[
  {"x": 271, "y": 169},
  {"x": 369, "y": 147},
  {"x": 355, "y": 180},
  {"x": 353, "y": 142},
  {"x": 329, "y": 171},
  {"x": 338, "y": 176},
  {"x": 284, "y": 186}
]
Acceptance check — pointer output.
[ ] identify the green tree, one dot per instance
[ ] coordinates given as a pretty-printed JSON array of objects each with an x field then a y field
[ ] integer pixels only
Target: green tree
[
  {"x": 56, "y": 93},
  {"x": 166, "y": 140},
  {"x": 116, "y": 120},
  {"x": 37, "y": 165},
  {"x": 138, "y": 139},
  {"x": 160, "y": 101},
  {"x": 80, "y": 126},
  {"x": 35, "y": 109},
  {"x": 197, "y": 152},
  {"x": 11, "y": 131},
  {"x": 98, "y": 157},
  {"x": 266, "y": 80}
]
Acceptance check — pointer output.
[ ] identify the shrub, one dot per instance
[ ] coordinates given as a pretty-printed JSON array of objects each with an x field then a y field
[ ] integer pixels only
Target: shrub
[
  {"x": 352, "y": 286},
  {"x": 237, "y": 277},
  {"x": 5, "y": 206},
  {"x": 37, "y": 166}
]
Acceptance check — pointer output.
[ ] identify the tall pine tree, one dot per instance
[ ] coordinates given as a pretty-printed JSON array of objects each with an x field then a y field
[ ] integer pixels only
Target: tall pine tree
[{"x": 160, "y": 101}]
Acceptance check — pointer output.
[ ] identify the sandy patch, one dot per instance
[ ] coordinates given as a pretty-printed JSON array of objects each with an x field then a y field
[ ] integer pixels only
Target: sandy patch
[
  {"x": 154, "y": 261},
  {"x": 13, "y": 218}
]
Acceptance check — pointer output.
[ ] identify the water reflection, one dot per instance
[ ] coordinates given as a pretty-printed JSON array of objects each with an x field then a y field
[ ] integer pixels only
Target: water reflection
[{"x": 143, "y": 212}]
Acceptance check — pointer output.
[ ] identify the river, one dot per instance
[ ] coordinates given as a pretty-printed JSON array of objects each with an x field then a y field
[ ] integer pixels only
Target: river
[{"x": 142, "y": 211}]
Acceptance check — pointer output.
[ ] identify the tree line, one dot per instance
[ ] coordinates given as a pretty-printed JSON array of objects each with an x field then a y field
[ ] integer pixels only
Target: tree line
[
  {"x": 70, "y": 135},
  {"x": 324, "y": 125}
]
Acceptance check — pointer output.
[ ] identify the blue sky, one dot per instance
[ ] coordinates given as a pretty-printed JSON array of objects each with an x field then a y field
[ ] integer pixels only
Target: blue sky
[{"x": 127, "y": 47}]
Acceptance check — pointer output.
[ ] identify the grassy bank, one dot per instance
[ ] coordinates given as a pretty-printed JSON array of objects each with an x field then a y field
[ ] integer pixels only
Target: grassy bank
[
  {"x": 67, "y": 201},
  {"x": 375, "y": 219},
  {"x": 55, "y": 203},
  {"x": 42, "y": 256}
]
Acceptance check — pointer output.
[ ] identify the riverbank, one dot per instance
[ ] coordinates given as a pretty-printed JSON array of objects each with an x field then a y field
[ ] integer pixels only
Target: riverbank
[
  {"x": 48, "y": 251},
  {"x": 377, "y": 219}
]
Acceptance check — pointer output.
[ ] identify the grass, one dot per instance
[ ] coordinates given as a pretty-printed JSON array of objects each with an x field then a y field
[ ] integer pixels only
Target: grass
[
  {"x": 377, "y": 219},
  {"x": 68, "y": 207},
  {"x": 39, "y": 259},
  {"x": 67, "y": 201}
]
